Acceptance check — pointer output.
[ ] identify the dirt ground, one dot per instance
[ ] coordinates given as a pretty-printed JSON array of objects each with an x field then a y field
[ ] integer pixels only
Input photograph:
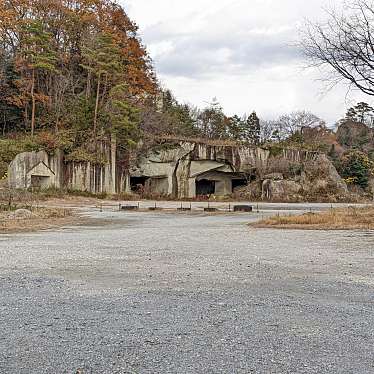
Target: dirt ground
[{"x": 36, "y": 218}]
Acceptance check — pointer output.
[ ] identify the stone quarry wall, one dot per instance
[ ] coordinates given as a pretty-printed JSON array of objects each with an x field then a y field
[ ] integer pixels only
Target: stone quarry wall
[
  {"x": 181, "y": 164},
  {"x": 176, "y": 169},
  {"x": 85, "y": 176},
  {"x": 54, "y": 171},
  {"x": 28, "y": 165}
]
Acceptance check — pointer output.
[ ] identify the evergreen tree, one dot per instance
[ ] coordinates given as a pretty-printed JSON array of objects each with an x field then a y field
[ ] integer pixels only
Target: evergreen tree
[
  {"x": 36, "y": 59},
  {"x": 212, "y": 121},
  {"x": 253, "y": 130},
  {"x": 362, "y": 113},
  {"x": 356, "y": 168},
  {"x": 235, "y": 128},
  {"x": 102, "y": 61},
  {"x": 123, "y": 117}
]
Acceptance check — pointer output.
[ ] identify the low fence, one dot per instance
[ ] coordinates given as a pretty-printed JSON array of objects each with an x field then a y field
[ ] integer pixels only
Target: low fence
[{"x": 207, "y": 207}]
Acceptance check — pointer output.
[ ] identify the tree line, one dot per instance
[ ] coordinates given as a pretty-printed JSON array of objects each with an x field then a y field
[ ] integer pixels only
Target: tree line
[
  {"x": 78, "y": 69},
  {"x": 72, "y": 65}
]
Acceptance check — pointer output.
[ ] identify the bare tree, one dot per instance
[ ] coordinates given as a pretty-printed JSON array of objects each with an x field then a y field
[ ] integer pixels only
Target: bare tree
[
  {"x": 268, "y": 130},
  {"x": 344, "y": 45},
  {"x": 290, "y": 124}
]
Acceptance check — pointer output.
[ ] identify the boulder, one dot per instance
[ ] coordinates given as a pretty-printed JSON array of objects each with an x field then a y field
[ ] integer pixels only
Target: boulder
[
  {"x": 321, "y": 175},
  {"x": 22, "y": 214},
  {"x": 354, "y": 134},
  {"x": 250, "y": 192},
  {"x": 280, "y": 190}
]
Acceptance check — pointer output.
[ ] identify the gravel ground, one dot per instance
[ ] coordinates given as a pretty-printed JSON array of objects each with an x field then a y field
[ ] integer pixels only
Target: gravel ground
[{"x": 177, "y": 293}]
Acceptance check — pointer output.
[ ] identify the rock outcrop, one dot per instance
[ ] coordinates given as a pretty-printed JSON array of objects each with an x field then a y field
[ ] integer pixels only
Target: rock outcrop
[
  {"x": 186, "y": 169},
  {"x": 311, "y": 180}
]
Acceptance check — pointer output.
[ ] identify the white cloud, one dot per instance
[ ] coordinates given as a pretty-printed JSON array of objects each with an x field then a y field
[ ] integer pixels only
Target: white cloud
[{"x": 239, "y": 51}]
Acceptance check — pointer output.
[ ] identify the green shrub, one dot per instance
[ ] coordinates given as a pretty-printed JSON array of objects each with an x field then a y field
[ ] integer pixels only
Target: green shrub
[{"x": 356, "y": 168}]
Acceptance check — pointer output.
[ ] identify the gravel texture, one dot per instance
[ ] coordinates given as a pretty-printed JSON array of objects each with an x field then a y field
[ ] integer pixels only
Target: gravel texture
[{"x": 179, "y": 293}]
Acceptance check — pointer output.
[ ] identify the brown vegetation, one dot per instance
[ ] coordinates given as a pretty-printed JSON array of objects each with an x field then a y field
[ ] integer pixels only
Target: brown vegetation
[
  {"x": 199, "y": 140},
  {"x": 351, "y": 218},
  {"x": 37, "y": 219}
]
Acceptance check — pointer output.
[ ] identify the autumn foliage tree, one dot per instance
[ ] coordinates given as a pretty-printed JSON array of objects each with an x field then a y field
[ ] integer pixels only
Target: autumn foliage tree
[{"x": 70, "y": 55}]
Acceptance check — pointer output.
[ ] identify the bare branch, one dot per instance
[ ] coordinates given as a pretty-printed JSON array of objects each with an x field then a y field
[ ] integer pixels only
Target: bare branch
[{"x": 344, "y": 45}]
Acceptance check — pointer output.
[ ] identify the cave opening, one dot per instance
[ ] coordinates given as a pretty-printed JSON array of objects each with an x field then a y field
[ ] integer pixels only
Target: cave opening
[
  {"x": 242, "y": 182},
  {"x": 205, "y": 187},
  {"x": 138, "y": 183}
]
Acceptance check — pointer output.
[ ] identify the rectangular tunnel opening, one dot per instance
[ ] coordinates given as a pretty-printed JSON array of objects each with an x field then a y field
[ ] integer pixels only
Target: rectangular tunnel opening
[
  {"x": 242, "y": 182},
  {"x": 205, "y": 187},
  {"x": 138, "y": 183},
  {"x": 40, "y": 181}
]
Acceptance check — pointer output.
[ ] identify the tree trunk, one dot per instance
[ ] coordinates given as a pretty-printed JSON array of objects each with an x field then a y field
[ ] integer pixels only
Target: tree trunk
[
  {"x": 33, "y": 103},
  {"x": 57, "y": 119},
  {"x": 26, "y": 117},
  {"x": 4, "y": 125},
  {"x": 114, "y": 162},
  {"x": 104, "y": 89},
  {"x": 88, "y": 86},
  {"x": 97, "y": 103}
]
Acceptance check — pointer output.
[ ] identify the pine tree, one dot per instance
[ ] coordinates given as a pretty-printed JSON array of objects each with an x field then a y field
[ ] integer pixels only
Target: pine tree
[
  {"x": 103, "y": 61},
  {"x": 361, "y": 112},
  {"x": 36, "y": 59},
  {"x": 253, "y": 130},
  {"x": 235, "y": 128},
  {"x": 123, "y": 117}
]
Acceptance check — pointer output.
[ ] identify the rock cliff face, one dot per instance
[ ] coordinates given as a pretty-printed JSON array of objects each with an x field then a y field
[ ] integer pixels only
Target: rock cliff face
[
  {"x": 354, "y": 134},
  {"x": 191, "y": 169},
  {"x": 35, "y": 168},
  {"x": 186, "y": 170},
  {"x": 41, "y": 171}
]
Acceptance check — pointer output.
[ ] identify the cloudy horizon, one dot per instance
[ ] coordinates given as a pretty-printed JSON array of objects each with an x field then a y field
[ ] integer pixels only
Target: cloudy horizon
[{"x": 244, "y": 55}]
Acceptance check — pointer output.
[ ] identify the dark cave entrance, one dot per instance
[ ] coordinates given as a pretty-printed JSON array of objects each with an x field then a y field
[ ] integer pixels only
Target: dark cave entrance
[
  {"x": 205, "y": 187},
  {"x": 239, "y": 183},
  {"x": 138, "y": 183}
]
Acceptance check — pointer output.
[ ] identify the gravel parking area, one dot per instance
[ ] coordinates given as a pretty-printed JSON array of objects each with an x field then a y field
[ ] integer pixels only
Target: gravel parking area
[{"x": 179, "y": 293}]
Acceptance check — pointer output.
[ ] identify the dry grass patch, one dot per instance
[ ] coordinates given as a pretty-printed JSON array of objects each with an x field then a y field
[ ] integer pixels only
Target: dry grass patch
[
  {"x": 37, "y": 218},
  {"x": 351, "y": 218}
]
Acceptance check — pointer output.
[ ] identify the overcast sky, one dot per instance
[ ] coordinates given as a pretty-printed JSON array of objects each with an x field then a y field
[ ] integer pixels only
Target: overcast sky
[{"x": 239, "y": 51}]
